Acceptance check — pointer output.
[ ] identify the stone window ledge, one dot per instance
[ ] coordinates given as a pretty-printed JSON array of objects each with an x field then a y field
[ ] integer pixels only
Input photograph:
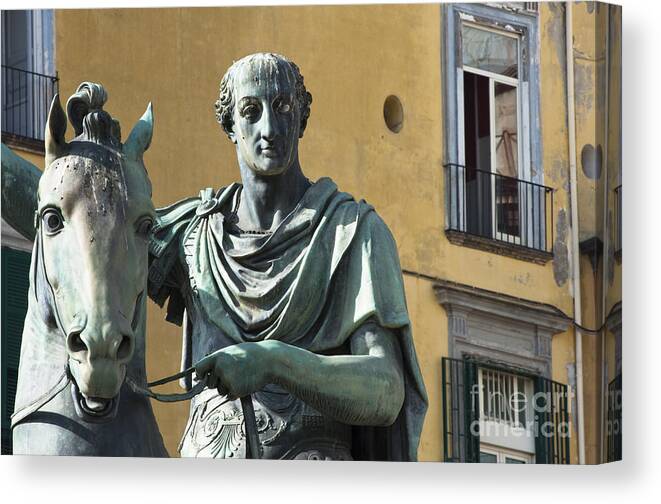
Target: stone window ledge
[
  {"x": 23, "y": 143},
  {"x": 498, "y": 247}
]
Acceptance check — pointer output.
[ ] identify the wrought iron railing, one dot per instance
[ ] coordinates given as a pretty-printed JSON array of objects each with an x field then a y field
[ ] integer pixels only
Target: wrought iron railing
[
  {"x": 614, "y": 425},
  {"x": 617, "y": 219},
  {"x": 26, "y": 97},
  {"x": 501, "y": 208}
]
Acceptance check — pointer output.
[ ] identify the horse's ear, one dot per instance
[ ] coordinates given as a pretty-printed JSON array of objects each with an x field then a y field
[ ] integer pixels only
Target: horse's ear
[
  {"x": 140, "y": 136},
  {"x": 56, "y": 126}
]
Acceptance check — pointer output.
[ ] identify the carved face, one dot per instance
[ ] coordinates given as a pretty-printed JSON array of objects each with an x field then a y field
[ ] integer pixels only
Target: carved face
[
  {"x": 266, "y": 117},
  {"x": 95, "y": 222},
  {"x": 95, "y": 216}
]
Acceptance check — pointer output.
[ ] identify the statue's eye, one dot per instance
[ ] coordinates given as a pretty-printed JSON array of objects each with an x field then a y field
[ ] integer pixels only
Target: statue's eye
[
  {"x": 283, "y": 107},
  {"x": 52, "y": 220},
  {"x": 144, "y": 227},
  {"x": 250, "y": 111}
]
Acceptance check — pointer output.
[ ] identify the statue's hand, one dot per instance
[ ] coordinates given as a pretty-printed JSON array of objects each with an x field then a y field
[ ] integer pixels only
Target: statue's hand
[{"x": 236, "y": 370}]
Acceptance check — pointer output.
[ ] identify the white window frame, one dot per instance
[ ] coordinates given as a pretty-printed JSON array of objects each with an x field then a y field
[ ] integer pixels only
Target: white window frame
[
  {"x": 510, "y": 81},
  {"x": 522, "y": 25},
  {"x": 502, "y": 454},
  {"x": 496, "y": 432}
]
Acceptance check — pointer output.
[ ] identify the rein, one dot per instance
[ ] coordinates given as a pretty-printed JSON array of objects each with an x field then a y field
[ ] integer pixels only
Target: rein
[
  {"x": 184, "y": 396},
  {"x": 66, "y": 379}
]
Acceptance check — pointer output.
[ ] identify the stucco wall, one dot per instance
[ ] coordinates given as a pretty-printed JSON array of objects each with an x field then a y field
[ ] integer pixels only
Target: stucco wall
[{"x": 352, "y": 58}]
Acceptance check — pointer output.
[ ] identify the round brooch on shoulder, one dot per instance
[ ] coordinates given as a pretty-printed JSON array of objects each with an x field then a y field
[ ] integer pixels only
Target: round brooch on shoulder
[
  {"x": 207, "y": 207},
  {"x": 209, "y": 202}
]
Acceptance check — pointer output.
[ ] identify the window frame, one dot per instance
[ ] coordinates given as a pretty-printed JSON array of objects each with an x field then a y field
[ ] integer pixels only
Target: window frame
[
  {"x": 498, "y": 433},
  {"x": 461, "y": 412},
  {"x": 502, "y": 454},
  {"x": 523, "y": 25}
]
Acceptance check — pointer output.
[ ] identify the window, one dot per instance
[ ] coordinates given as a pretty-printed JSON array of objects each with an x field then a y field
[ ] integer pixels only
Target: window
[
  {"x": 497, "y": 455},
  {"x": 493, "y": 182},
  {"x": 28, "y": 75},
  {"x": 506, "y": 416},
  {"x": 494, "y": 415}
]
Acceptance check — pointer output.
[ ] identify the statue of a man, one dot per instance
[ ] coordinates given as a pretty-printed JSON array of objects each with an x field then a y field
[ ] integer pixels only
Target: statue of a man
[{"x": 290, "y": 291}]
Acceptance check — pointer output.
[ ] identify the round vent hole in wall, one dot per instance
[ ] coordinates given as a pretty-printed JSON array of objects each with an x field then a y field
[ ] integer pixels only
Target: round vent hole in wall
[{"x": 393, "y": 113}]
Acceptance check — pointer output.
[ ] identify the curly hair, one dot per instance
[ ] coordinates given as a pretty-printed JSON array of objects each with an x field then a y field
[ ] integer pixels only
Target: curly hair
[{"x": 224, "y": 106}]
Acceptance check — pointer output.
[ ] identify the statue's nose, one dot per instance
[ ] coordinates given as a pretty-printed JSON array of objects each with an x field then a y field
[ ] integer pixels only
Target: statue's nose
[{"x": 269, "y": 125}]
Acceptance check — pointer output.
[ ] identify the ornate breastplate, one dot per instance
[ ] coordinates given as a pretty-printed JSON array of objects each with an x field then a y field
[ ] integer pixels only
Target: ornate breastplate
[{"x": 287, "y": 428}]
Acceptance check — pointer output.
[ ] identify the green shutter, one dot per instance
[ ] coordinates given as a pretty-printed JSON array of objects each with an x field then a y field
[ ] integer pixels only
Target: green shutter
[
  {"x": 15, "y": 283},
  {"x": 552, "y": 422},
  {"x": 614, "y": 420},
  {"x": 461, "y": 440}
]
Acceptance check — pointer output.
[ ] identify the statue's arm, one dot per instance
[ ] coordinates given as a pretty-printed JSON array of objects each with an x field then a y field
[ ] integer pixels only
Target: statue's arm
[
  {"x": 364, "y": 388},
  {"x": 20, "y": 182}
]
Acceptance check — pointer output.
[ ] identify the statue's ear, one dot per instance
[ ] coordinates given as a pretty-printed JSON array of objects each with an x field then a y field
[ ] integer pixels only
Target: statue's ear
[
  {"x": 140, "y": 137},
  {"x": 56, "y": 126},
  {"x": 232, "y": 135}
]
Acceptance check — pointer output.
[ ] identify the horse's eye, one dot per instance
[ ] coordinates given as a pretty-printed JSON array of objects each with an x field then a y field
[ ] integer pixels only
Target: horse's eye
[
  {"x": 144, "y": 227},
  {"x": 52, "y": 220}
]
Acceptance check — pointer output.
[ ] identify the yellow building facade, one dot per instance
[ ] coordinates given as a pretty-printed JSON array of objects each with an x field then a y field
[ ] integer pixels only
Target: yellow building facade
[{"x": 488, "y": 251}]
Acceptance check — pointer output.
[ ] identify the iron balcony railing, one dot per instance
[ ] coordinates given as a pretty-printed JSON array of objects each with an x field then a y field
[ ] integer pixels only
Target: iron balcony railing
[
  {"x": 501, "y": 208},
  {"x": 26, "y": 97},
  {"x": 617, "y": 217}
]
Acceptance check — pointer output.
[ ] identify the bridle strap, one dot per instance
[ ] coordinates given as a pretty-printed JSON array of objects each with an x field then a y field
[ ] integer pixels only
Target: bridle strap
[
  {"x": 65, "y": 378},
  {"x": 53, "y": 302},
  {"x": 40, "y": 402},
  {"x": 252, "y": 437}
]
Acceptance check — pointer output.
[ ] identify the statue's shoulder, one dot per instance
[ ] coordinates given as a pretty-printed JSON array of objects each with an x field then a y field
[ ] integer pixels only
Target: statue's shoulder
[
  {"x": 173, "y": 223},
  {"x": 173, "y": 220}
]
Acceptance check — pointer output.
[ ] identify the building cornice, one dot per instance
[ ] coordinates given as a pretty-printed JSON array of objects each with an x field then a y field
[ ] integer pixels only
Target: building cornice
[{"x": 452, "y": 296}]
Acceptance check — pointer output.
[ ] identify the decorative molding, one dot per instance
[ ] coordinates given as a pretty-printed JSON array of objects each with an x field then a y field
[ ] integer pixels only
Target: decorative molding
[
  {"x": 498, "y": 247},
  {"x": 501, "y": 328}
]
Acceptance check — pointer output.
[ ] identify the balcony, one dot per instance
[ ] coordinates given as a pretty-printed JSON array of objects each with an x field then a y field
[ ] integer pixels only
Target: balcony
[
  {"x": 26, "y": 97},
  {"x": 500, "y": 214}
]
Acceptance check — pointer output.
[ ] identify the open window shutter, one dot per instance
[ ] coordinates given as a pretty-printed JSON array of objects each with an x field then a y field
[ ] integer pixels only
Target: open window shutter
[
  {"x": 552, "y": 422},
  {"x": 15, "y": 284},
  {"x": 461, "y": 439}
]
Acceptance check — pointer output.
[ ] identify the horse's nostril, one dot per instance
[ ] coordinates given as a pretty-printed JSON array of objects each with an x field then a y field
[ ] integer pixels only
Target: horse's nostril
[
  {"x": 124, "y": 348},
  {"x": 75, "y": 343}
]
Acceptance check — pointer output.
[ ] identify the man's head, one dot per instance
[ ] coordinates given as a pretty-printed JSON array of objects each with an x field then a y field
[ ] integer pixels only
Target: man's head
[{"x": 263, "y": 108}]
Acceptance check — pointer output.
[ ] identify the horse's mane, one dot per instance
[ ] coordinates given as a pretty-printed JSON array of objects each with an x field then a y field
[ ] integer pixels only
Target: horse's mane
[{"x": 90, "y": 122}]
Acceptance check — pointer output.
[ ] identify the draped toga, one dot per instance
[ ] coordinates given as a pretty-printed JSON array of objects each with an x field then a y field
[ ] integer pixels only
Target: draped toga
[{"x": 329, "y": 267}]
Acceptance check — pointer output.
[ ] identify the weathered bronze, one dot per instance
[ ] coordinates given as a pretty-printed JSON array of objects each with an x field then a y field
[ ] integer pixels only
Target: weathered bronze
[
  {"x": 84, "y": 333},
  {"x": 290, "y": 291}
]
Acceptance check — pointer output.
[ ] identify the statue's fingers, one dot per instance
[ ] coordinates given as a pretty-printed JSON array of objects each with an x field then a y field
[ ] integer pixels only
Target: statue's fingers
[{"x": 204, "y": 366}]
